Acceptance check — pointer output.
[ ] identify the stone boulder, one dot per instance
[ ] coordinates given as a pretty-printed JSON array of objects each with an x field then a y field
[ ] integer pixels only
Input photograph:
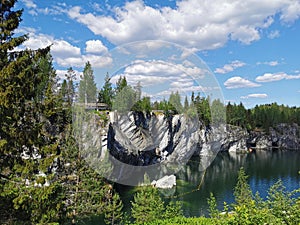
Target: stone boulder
[{"x": 165, "y": 182}]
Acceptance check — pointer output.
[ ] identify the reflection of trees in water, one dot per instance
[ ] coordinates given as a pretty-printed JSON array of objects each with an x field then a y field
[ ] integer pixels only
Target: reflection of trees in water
[{"x": 263, "y": 167}]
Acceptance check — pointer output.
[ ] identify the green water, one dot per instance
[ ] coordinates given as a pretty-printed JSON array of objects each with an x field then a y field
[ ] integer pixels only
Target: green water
[{"x": 194, "y": 185}]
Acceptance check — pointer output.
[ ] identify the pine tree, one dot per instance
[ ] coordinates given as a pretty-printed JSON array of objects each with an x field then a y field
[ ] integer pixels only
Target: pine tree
[
  {"x": 147, "y": 205},
  {"x": 242, "y": 192},
  {"x": 106, "y": 93},
  {"x": 87, "y": 86},
  {"x": 186, "y": 103},
  {"x": 125, "y": 96},
  {"x": 175, "y": 102},
  {"x": 113, "y": 213},
  {"x": 121, "y": 83},
  {"x": 173, "y": 209},
  {"x": 70, "y": 86}
]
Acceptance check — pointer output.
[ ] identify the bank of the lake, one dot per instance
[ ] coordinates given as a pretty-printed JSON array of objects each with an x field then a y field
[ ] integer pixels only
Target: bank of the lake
[{"x": 194, "y": 185}]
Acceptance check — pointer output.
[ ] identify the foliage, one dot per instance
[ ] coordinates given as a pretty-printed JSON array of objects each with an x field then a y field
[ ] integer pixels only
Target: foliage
[
  {"x": 106, "y": 94},
  {"x": 280, "y": 207},
  {"x": 173, "y": 209},
  {"x": 113, "y": 212},
  {"x": 262, "y": 116},
  {"x": 86, "y": 191},
  {"x": 124, "y": 100},
  {"x": 182, "y": 220},
  {"x": 147, "y": 205},
  {"x": 175, "y": 102},
  {"x": 212, "y": 206},
  {"x": 242, "y": 191},
  {"x": 87, "y": 86},
  {"x": 69, "y": 90}
]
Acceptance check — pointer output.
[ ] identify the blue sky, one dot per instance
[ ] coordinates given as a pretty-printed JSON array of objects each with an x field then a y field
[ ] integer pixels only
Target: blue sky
[{"x": 251, "y": 46}]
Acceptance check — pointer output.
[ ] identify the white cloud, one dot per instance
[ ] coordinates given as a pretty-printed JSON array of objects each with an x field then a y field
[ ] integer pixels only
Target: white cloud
[
  {"x": 163, "y": 68},
  {"x": 63, "y": 49},
  {"x": 192, "y": 23},
  {"x": 54, "y": 9},
  {"x": 239, "y": 82},
  {"x": 270, "y": 77},
  {"x": 96, "y": 60},
  {"x": 230, "y": 67},
  {"x": 64, "y": 53},
  {"x": 291, "y": 11},
  {"x": 255, "y": 96},
  {"x": 96, "y": 47},
  {"x": 274, "y": 34},
  {"x": 270, "y": 63},
  {"x": 61, "y": 74},
  {"x": 29, "y": 4}
]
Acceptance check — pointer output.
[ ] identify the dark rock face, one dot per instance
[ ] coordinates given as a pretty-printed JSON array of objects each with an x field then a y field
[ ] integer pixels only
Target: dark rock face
[{"x": 145, "y": 139}]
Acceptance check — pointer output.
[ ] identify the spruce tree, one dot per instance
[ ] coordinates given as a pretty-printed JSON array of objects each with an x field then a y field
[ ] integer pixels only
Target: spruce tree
[
  {"x": 242, "y": 192},
  {"x": 70, "y": 86},
  {"x": 106, "y": 94},
  {"x": 114, "y": 213},
  {"x": 29, "y": 139},
  {"x": 147, "y": 205},
  {"x": 87, "y": 86}
]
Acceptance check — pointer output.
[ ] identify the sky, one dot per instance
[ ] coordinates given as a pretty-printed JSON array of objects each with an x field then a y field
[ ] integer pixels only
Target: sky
[{"x": 250, "y": 47}]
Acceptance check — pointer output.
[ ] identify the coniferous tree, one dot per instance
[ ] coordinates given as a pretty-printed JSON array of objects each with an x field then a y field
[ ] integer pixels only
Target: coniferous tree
[
  {"x": 186, "y": 103},
  {"x": 147, "y": 205},
  {"x": 113, "y": 212},
  {"x": 70, "y": 86},
  {"x": 242, "y": 192},
  {"x": 29, "y": 137},
  {"x": 106, "y": 94},
  {"x": 121, "y": 83},
  {"x": 175, "y": 102},
  {"x": 87, "y": 86}
]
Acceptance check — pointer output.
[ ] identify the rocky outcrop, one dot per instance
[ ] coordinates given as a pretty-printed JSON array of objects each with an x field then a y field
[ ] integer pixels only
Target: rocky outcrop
[
  {"x": 140, "y": 140},
  {"x": 282, "y": 136},
  {"x": 165, "y": 182},
  {"x": 145, "y": 139}
]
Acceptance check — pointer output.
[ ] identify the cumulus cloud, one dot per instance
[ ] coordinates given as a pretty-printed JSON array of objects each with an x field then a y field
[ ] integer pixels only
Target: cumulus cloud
[
  {"x": 65, "y": 54},
  {"x": 96, "y": 47},
  {"x": 270, "y": 77},
  {"x": 160, "y": 78},
  {"x": 155, "y": 72},
  {"x": 239, "y": 82},
  {"x": 160, "y": 67},
  {"x": 255, "y": 96},
  {"x": 192, "y": 23},
  {"x": 230, "y": 67}
]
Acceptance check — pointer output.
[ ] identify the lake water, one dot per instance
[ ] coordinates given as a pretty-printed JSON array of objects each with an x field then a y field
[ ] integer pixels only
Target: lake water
[{"x": 194, "y": 185}]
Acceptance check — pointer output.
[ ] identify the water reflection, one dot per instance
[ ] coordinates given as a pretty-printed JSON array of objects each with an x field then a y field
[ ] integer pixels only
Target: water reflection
[{"x": 263, "y": 167}]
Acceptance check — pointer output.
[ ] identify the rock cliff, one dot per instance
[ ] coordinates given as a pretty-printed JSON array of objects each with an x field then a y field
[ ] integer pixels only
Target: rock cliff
[
  {"x": 145, "y": 139},
  {"x": 137, "y": 142}
]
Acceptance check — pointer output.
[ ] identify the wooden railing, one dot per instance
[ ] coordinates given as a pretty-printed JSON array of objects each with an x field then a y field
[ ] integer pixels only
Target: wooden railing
[{"x": 93, "y": 106}]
